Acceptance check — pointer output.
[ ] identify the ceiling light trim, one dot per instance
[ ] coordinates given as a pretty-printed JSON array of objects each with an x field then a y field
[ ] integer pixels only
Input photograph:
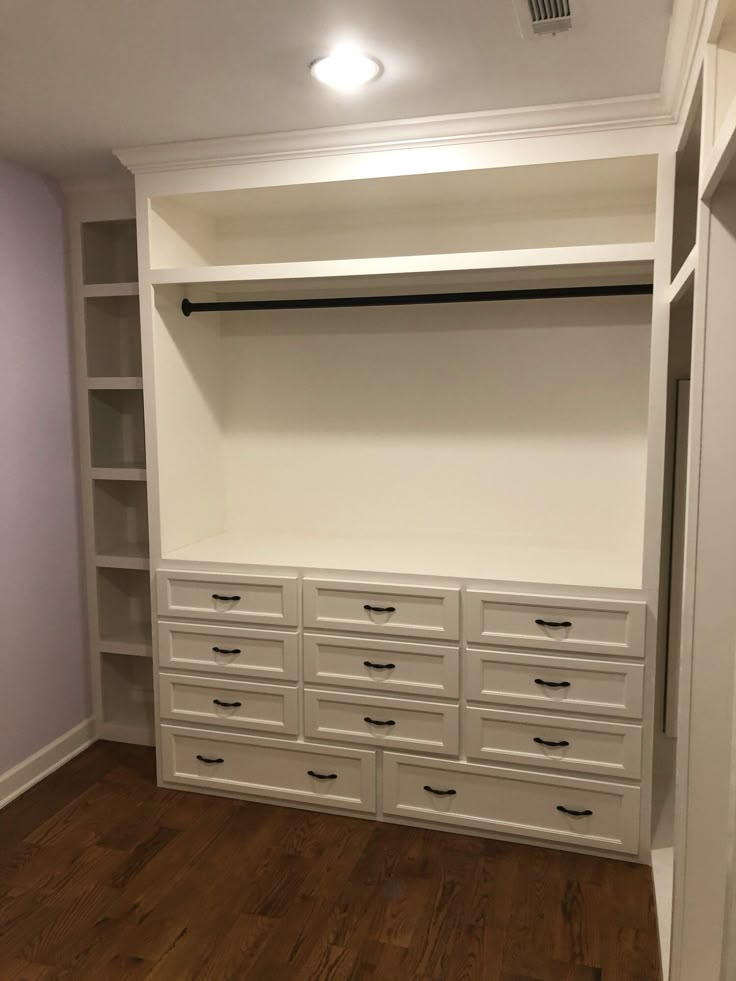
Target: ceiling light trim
[{"x": 473, "y": 127}]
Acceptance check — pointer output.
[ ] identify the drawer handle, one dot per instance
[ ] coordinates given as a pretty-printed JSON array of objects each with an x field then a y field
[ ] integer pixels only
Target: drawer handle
[
  {"x": 322, "y": 776},
  {"x": 552, "y": 684},
  {"x": 379, "y": 667},
  {"x": 209, "y": 759},
  {"x": 224, "y": 650},
  {"x": 575, "y": 814},
  {"x": 440, "y": 793},
  {"x": 379, "y": 609},
  {"x": 226, "y": 705},
  {"x": 226, "y": 599},
  {"x": 546, "y": 742},
  {"x": 378, "y": 722},
  {"x": 553, "y": 623}
]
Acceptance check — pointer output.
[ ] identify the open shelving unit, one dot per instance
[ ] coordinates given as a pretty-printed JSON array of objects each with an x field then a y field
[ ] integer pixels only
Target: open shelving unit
[{"x": 113, "y": 461}]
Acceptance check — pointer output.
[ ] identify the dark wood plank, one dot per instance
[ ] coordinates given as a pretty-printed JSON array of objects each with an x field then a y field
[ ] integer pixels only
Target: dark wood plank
[{"x": 104, "y": 876}]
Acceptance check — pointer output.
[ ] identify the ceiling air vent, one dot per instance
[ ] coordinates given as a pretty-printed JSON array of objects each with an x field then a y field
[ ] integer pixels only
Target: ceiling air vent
[{"x": 543, "y": 16}]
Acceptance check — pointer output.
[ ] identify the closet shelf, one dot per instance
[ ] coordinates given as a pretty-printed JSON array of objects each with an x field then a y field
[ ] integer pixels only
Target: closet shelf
[
  {"x": 132, "y": 642},
  {"x": 685, "y": 276},
  {"x": 124, "y": 556},
  {"x": 110, "y": 289},
  {"x": 717, "y": 168},
  {"x": 118, "y": 473},
  {"x": 628, "y": 262},
  {"x": 117, "y": 382}
]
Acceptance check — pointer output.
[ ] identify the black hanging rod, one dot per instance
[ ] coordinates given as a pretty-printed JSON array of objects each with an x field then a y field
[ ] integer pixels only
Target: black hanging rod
[{"x": 407, "y": 299}]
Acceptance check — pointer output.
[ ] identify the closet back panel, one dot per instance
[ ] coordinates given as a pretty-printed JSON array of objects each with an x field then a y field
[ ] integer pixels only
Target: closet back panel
[{"x": 475, "y": 438}]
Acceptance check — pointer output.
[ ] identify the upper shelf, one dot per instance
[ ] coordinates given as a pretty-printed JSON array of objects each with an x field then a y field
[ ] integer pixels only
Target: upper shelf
[
  {"x": 721, "y": 140},
  {"x": 447, "y": 221}
]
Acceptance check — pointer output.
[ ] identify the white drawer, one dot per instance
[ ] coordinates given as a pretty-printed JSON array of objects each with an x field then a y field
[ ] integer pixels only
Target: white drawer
[
  {"x": 512, "y": 801},
  {"x": 230, "y": 598},
  {"x": 415, "y": 611},
  {"x": 235, "y": 651},
  {"x": 397, "y": 722},
  {"x": 236, "y": 704},
  {"x": 612, "y": 749},
  {"x": 275, "y": 768},
  {"x": 558, "y": 684},
  {"x": 386, "y": 665},
  {"x": 550, "y": 623}
]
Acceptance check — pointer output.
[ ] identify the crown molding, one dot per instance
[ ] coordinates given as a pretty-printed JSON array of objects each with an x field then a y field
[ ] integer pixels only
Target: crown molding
[
  {"x": 472, "y": 127},
  {"x": 686, "y": 37}
]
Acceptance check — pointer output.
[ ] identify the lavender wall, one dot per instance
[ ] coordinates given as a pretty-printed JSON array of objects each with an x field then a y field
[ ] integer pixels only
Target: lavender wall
[{"x": 44, "y": 683}]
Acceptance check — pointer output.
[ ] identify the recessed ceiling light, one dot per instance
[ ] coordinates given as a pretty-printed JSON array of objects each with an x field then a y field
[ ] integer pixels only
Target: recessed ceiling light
[{"x": 346, "y": 68}]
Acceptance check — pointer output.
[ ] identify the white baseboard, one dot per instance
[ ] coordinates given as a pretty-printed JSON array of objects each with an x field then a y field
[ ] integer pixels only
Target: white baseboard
[{"x": 23, "y": 776}]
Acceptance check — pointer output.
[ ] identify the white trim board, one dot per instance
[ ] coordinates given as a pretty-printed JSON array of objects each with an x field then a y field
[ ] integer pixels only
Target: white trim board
[{"x": 30, "y": 771}]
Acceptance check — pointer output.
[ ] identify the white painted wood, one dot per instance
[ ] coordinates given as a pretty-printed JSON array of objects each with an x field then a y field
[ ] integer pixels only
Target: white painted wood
[
  {"x": 260, "y": 599},
  {"x": 387, "y": 665},
  {"x": 683, "y": 281},
  {"x": 597, "y": 687},
  {"x": 596, "y": 626},
  {"x": 110, "y": 289},
  {"x": 30, "y": 771},
  {"x": 273, "y": 768},
  {"x": 610, "y": 749},
  {"x": 258, "y": 707},
  {"x": 430, "y": 727},
  {"x": 415, "y": 611},
  {"x": 519, "y": 802},
  {"x": 267, "y": 654}
]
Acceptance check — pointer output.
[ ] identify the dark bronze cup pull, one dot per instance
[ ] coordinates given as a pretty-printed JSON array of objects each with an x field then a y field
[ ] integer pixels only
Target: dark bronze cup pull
[
  {"x": 552, "y": 684},
  {"x": 553, "y": 623},
  {"x": 575, "y": 814},
  {"x": 209, "y": 759},
  {"x": 225, "y": 650},
  {"x": 226, "y": 705},
  {"x": 379, "y": 667},
  {"x": 379, "y": 609},
  {"x": 546, "y": 742},
  {"x": 378, "y": 722},
  {"x": 225, "y": 599},
  {"x": 440, "y": 793},
  {"x": 322, "y": 776}
]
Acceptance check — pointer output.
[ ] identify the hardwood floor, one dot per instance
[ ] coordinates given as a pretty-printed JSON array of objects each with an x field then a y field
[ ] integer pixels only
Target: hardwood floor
[{"x": 104, "y": 876}]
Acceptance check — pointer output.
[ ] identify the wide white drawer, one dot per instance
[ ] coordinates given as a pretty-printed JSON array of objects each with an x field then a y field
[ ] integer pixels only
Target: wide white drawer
[
  {"x": 388, "y": 665},
  {"x": 240, "y": 704},
  {"x": 275, "y": 768},
  {"x": 558, "y": 684},
  {"x": 397, "y": 722},
  {"x": 239, "y": 599},
  {"x": 550, "y": 623},
  {"x": 236, "y": 651},
  {"x": 611, "y": 749},
  {"x": 517, "y": 802},
  {"x": 382, "y": 608}
]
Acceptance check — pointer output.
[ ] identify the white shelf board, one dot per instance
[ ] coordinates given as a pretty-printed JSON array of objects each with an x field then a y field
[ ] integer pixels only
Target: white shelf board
[
  {"x": 118, "y": 473},
  {"x": 427, "y": 557},
  {"x": 110, "y": 289},
  {"x": 124, "y": 556},
  {"x": 116, "y": 383},
  {"x": 134, "y": 642},
  {"x": 721, "y": 155},
  {"x": 627, "y": 260},
  {"x": 685, "y": 276}
]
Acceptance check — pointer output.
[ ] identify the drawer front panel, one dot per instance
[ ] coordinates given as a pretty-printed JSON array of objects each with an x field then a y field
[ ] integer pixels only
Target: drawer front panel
[
  {"x": 343, "y": 778},
  {"x": 234, "y": 651},
  {"x": 415, "y": 611},
  {"x": 598, "y": 687},
  {"x": 513, "y": 801},
  {"x": 236, "y": 704},
  {"x": 550, "y": 623},
  {"x": 397, "y": 722},
  {"x": 611, "y": 749},
  {"x": 385, "y": 665},
  {"x": 237, "y": 599}
]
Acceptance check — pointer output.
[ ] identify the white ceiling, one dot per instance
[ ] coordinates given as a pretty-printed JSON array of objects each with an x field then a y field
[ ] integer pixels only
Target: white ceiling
[{"x": 79, "y": 77}]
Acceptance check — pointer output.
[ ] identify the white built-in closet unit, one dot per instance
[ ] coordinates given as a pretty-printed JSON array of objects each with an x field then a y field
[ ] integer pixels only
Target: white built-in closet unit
[{"x": 406, "y": 557}]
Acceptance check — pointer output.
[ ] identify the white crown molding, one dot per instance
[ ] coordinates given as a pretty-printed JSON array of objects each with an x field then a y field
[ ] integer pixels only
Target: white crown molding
[
  {"x": 473, "y": 127},
  {"x": 682, "y": 58}
]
